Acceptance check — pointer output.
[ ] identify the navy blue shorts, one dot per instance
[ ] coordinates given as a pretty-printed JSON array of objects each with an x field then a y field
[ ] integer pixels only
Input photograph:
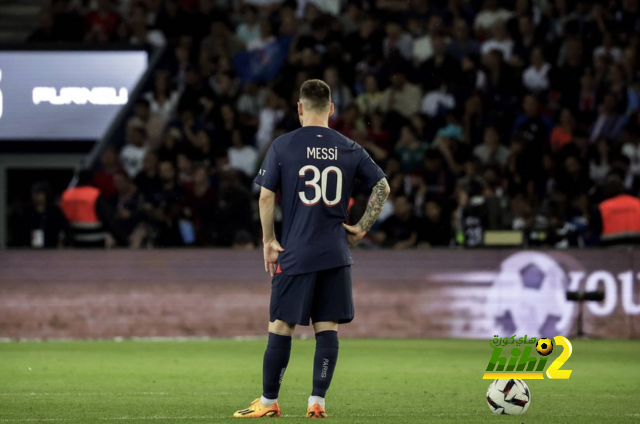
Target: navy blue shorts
[{"x": 317, "y": 296}]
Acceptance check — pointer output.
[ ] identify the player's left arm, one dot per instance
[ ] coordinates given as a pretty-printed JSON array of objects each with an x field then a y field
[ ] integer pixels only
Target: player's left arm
[
  {"x": 271, "y": 248},
  {"x": 378, "y": 197}
]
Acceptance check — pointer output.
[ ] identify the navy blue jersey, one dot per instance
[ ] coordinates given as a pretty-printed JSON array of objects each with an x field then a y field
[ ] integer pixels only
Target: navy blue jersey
[{"x": 314, "y": 168}]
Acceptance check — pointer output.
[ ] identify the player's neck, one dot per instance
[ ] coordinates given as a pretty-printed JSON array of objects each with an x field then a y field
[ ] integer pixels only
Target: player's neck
[{"x": 315, "y": 121}]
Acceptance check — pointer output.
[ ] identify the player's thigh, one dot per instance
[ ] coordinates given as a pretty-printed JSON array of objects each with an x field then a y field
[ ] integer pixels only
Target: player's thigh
[
  {"x": 333, "y": 296},
  {"x": 291, "y": 299}
]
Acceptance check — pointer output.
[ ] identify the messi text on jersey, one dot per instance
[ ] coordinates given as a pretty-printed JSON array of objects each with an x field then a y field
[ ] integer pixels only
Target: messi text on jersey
[{"x": 322, "y": 153}]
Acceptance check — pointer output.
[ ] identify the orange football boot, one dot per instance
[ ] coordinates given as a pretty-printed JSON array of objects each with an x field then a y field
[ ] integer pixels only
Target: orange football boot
[
  {"x": 316, "y": 411},
  {"x": 258, "y": 410}
]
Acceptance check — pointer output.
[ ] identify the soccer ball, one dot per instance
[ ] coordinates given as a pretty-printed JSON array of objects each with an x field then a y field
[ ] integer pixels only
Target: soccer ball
[
  {"x": 508, "y": 397},
  {"x": 544, "y": 346}
]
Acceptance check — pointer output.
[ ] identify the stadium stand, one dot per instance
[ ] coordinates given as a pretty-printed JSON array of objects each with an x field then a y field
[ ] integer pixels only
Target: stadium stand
[{"x": 485, "y": 115}]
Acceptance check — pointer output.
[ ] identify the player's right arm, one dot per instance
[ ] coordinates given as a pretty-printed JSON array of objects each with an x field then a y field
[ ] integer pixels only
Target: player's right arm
[
  {"x": 379, "y": 195},
  {"x": 269, "y": 179},
  {"x": 271, "y": 248}
]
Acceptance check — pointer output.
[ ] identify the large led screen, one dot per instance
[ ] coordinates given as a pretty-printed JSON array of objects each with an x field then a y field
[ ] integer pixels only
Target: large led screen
[{"x": 65, "y": 95}]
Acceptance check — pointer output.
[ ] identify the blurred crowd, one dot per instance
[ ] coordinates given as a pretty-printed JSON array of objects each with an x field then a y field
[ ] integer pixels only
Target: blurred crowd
[{"x": 484, "y": 114}]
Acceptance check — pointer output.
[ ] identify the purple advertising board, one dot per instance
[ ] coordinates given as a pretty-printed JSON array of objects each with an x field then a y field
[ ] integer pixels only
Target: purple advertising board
[{"x": 224, "y": 293}]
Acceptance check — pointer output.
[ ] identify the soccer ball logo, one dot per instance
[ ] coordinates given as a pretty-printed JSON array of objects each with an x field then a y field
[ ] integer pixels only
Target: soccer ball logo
[
  {"x": 508, "y": 397},
  {"x": 529, "y": 297},
  {"x": 544, "y": 346}
]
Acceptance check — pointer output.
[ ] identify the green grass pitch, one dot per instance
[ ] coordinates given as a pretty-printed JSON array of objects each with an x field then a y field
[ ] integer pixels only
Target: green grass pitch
[{"x": 376, "y": 381}]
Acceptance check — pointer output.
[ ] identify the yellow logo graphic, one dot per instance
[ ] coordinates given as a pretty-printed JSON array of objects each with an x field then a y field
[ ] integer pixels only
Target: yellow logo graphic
[{"x": 522, "y": 364}]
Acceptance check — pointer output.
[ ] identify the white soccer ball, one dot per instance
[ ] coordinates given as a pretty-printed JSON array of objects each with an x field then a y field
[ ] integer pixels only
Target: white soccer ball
[{"x": 508, "y": 397}]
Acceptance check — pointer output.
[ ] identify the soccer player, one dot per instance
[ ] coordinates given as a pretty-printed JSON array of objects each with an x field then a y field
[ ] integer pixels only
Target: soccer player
[{"x": 314, "y": 169}]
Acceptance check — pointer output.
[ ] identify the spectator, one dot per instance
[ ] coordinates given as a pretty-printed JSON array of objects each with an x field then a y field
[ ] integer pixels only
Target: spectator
[
  {"x": 536, "y": 77},
  {"x": 609, "y": 122},
  {"x": 185, "y": 169},
  {"x": 89, "y": 215},
  {"x": 101, "y": 21},
  {"x": 410, "y": 149},
  {"x": 500, "y": 40},
  {"x": 141, "y": 34},
  {"x": 618, "y": 218},
  {"x": 423, "y": 47},
  {"x": 271, "y": 113},
  {"x": 402, "y": 97},
  {"x": 249, "y": 29},
  {"x": 473, "y": 214},
  {"x": 441, "y": 68},
  {"x": 600, "y": 163},
  {"x": 533, "y": 126},
  {"x": 490, "y": 13},
  {"x": 148, "y": 180},
  {"x": 397, "y": 42},
  {"x": 128, "y": 204},
  {"x": 400, "y": 230},
  {"x": 434, "y": 230},
  {"x": 249, "y": 103},
  {"x": 241, "y": 156},
  {"x": 167, "y": 211},
  {"x": 42, "y": 224},
  {"x": 370, "y": 100},
  {"x": 133, "y": 152},
  {"x": 562, "y": 133},
  {"x": 220, "y": 41},
  {"x": 491, "y": 152},
  {"x": 199, "y": 205},
  {"x": 143, "y": 116},
  {"x": 572, "y": 178},
  {"x": 461, "y": 45},
  {"x": 234, "y": 209},
  {"x": 607, "y": 49},
  {"x": 103, "y": 178},
  {"x": 341, "y": 96},
  {"x": 162, "y": 100}
]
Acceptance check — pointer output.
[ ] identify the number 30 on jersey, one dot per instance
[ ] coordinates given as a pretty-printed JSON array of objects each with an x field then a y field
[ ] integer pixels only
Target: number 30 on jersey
[{"x": 320, "y": 190}]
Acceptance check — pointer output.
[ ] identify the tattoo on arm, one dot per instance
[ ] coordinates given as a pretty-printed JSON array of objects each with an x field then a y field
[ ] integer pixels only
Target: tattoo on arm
[{"x": 374, "y": 207}]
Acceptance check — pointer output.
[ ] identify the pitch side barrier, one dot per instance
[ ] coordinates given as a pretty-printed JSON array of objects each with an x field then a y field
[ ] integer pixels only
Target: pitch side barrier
[{"x": 426, "y": 293}]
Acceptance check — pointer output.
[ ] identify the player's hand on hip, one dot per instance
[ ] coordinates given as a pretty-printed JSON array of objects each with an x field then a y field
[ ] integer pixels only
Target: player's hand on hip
[
  {"x": 354, "y": 233},
  {"x": 271, "y": 251}
]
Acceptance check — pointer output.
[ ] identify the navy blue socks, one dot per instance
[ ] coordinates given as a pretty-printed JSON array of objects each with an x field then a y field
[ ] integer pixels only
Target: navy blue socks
[
  {"x": 275, "y": 363},
  {"x": 324, "y": 362}
]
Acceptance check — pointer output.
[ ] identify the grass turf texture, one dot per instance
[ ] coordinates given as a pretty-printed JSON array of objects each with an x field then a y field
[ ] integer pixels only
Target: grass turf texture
[{"x": 377, "y": 381}]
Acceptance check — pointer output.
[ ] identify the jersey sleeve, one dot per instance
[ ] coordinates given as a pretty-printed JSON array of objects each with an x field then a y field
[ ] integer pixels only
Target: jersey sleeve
[
  {"x": 269, "y": 173},
  {"x": 368, "y": 171}
]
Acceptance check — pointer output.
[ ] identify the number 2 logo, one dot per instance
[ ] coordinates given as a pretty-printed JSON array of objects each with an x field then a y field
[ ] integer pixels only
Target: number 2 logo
[
  {"x": 320, "y": 190},
  {"x": 554, "y": 370}
]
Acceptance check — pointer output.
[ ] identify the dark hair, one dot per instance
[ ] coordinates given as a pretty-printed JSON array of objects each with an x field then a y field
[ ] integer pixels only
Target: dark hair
[
  {"x": 316, "y": 94},
  {"x": 613, "y": 186},
  {"x": 41, "y": 187}
]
